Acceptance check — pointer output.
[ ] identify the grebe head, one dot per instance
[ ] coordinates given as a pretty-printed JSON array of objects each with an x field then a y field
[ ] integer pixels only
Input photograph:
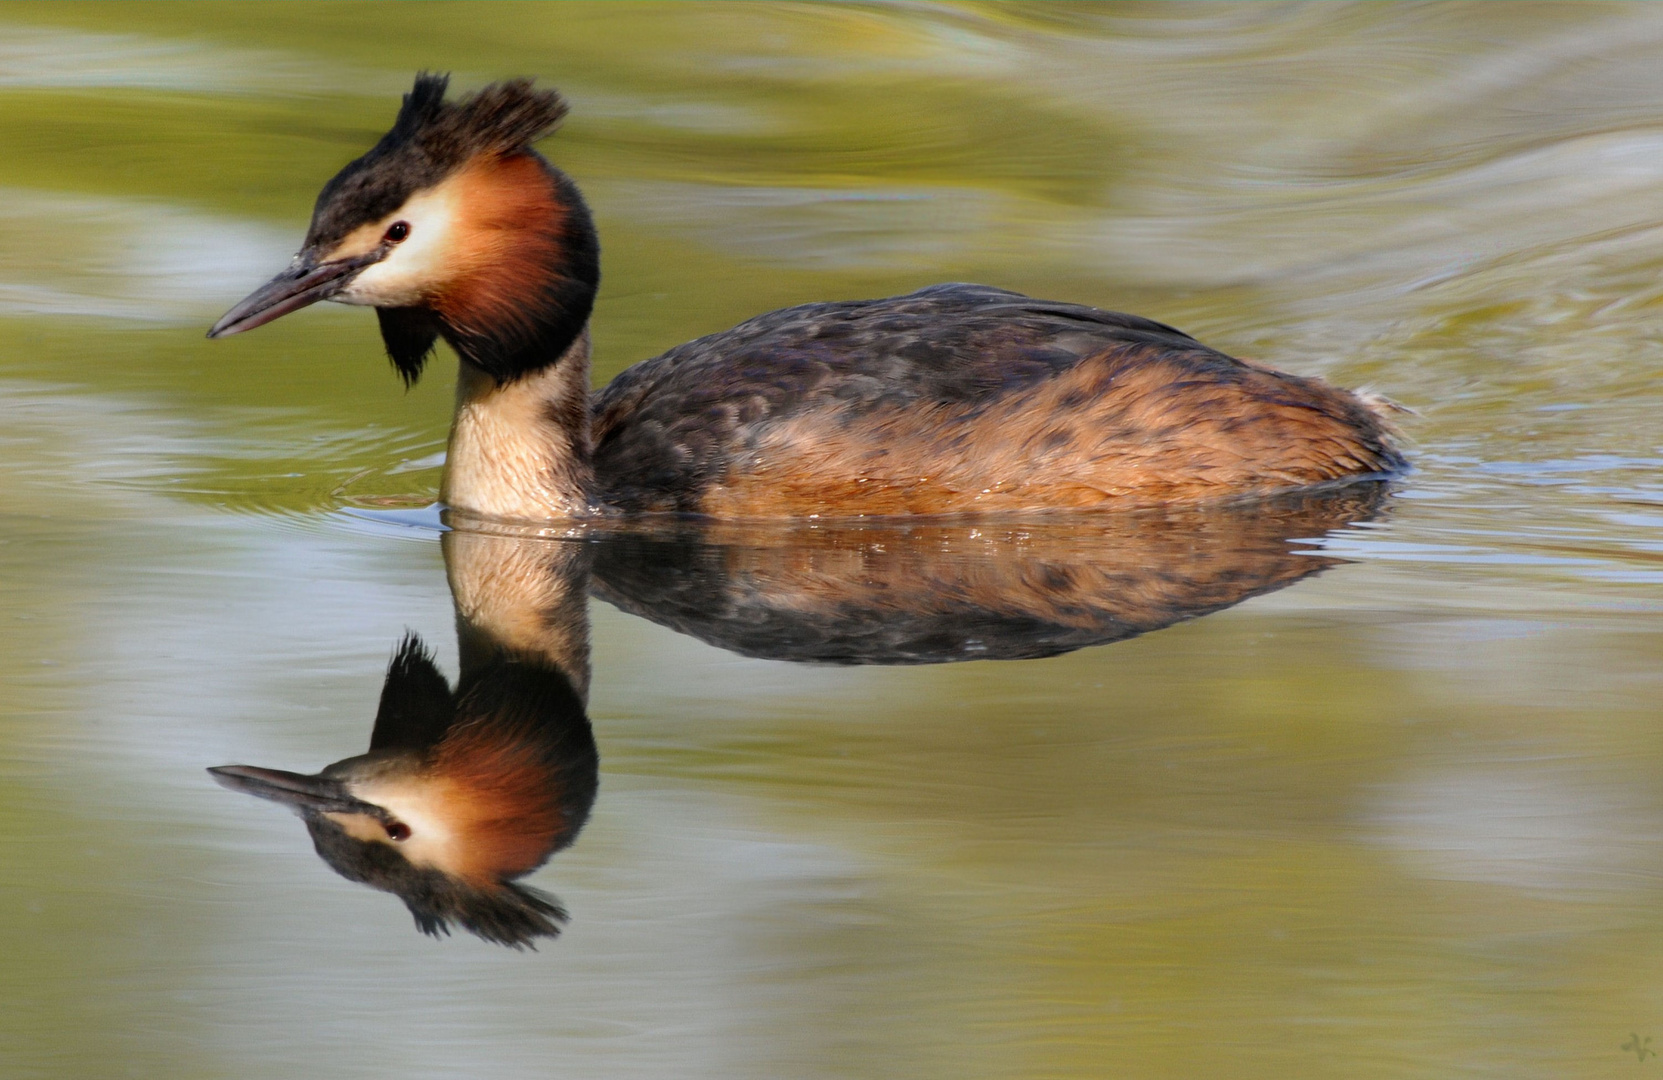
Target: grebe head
[
  {"x": 460, "y": 793},
  {"x": 450, "y": 225}
]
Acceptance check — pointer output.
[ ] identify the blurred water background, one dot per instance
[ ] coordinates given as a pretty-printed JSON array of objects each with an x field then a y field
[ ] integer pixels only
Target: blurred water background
[{"x": 1400, "y": 819}]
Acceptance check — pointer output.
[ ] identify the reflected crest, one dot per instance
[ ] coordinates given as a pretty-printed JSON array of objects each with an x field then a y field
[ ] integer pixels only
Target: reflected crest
[{"x": 466, "y": 789}]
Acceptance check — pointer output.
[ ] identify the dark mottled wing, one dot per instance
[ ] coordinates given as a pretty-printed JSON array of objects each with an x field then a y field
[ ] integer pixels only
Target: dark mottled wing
[{"x": 668, "y": 427}]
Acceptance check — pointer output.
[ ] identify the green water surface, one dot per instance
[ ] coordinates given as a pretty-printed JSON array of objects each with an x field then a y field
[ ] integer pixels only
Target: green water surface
[{"x": 1401, "y": 819}]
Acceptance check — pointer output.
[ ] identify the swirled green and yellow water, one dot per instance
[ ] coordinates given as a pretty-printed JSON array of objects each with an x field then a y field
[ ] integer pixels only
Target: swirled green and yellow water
[{"x": 1404, "y": 818}]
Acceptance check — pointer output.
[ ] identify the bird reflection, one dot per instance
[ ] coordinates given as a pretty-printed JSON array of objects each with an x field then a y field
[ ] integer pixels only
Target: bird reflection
[
  {"x": 466, "y": 789},
  {"x": 907, "y": 593}
]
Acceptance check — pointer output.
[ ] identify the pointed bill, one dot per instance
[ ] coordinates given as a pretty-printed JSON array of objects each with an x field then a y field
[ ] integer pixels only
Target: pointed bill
[
  {"x": 299, "y": 286},
  {"x": 319, "y": 794}
]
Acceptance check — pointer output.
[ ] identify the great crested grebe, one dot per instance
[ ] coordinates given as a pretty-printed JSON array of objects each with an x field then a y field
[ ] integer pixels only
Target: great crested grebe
[{"x": 952, "y": 399}]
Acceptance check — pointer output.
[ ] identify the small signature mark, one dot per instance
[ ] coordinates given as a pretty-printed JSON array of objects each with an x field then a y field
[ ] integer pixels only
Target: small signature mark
[{"x": 1640, "y": 1048}]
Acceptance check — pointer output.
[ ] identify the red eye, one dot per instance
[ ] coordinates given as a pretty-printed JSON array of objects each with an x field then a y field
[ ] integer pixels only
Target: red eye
[
  {"x": 397, "y": 830},
  {"x": 397, "y": 231}
]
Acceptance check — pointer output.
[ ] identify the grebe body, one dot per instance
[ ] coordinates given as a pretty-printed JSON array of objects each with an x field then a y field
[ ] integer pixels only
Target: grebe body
[
  {"x": 953, "y": 399},
  {"x": 963, "y": 399}
]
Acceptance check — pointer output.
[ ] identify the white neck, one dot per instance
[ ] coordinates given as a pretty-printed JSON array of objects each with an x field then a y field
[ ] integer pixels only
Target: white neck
[
  {"x": 524, "y": 594},
  {"x": 521, "y": 451}
]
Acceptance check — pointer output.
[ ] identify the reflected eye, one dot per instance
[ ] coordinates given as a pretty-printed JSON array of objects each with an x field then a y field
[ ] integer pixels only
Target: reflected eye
[
  {"x": 397, "y": 830},
  {"x": 397, "y": 231}
]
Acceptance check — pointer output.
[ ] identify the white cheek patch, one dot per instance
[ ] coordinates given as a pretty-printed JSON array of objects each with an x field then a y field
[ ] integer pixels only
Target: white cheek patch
[
  {"x": 432, "y": 840},
  {"x": 411, "y": 270}
]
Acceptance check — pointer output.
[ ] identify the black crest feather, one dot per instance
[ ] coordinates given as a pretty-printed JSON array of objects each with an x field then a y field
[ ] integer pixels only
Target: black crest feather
[
  {"x": 416, "y": 705},
  {"x": 430, "y": 139},
  {"x": 503, "y": 118}
]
